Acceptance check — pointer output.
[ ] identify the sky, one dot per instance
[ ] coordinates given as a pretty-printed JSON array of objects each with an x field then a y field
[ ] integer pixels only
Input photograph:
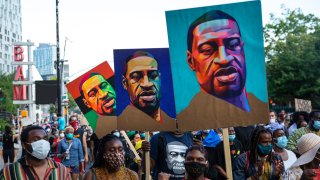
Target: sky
[{"x": 94, "y": 28}]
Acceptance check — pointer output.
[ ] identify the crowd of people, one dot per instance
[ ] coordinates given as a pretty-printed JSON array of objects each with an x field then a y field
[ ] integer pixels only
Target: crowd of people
[{"x": 288, "y": 147}]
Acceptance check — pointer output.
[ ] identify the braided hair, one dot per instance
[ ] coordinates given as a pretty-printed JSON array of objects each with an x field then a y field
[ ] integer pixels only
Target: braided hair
[
  {"x": 100, "y": 161},
  {"x": 255, "y": 137}
]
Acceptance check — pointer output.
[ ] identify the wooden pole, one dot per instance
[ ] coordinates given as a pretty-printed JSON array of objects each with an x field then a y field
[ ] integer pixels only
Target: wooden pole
[
  {"x": 147, "y": 159},
  {"x": 124, "y": 134},
  {"x": 226, "y": 147}
]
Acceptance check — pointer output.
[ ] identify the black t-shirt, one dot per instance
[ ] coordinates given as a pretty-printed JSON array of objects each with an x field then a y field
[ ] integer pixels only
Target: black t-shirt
[
  {"x": 79, "y": 134},
  {"x": 96, "y": 142},
  {"x": 7, "y": 141},
  {"x": 168, "y": 150},
  {"x": 243, "y": 134},
  {"x": 219, "y": 159}
]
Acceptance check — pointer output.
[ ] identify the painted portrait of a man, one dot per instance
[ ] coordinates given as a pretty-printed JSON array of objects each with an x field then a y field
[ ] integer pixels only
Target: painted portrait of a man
[
  {"x": 216, "y": 54},
  {"x": 95, "y": 96},
  {"x": 98, "y": 94},
  {"x": 141, "y": 79},
  {"x": 217, "y": 64},
  {"x": 144, "y": 89}
]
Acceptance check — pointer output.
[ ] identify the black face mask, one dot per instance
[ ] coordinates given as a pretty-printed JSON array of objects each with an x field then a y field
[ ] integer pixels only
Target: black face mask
[{"x": 195, "y": 169}]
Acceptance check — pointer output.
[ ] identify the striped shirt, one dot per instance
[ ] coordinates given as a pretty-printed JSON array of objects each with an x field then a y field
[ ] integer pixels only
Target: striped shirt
[{"x": 21, "y": 170}]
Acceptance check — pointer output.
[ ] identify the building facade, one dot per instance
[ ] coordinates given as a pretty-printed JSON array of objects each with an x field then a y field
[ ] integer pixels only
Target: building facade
[
  {"x": 10, "y": 32},
  {"x": 43, "y": 57}
]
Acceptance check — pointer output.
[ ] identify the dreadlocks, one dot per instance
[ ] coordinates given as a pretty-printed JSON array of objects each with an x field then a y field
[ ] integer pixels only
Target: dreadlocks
[{"x": 255, "y": 141}]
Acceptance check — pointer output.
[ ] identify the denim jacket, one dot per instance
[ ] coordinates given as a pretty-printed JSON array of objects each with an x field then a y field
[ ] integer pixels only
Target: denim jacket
[{"x": 75, "y": 151}]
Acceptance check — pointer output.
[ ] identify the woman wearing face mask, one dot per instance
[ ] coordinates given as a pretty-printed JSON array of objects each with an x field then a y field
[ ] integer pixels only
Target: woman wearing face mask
[
  {"x": 279, "y": 143},
  {"x": 70, "y": 150},
  {"x": 260, "y": 162},
  {"x": 109, "y": 162},
  {"x": 55, "y": 142}
]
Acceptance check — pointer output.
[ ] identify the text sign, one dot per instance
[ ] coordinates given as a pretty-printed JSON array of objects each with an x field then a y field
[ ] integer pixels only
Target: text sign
[{"x": 303, "y": 105}]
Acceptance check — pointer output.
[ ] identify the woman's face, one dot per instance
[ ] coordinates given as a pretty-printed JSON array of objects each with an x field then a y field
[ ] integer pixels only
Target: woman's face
[{"x": 114, "y": 146}]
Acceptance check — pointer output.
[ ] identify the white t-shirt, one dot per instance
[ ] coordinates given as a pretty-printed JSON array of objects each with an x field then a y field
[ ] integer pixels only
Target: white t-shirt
[{"x": 291, "y": 159}]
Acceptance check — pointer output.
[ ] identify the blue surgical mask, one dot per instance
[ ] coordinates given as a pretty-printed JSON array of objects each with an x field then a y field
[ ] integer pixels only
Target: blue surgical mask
[
  {"x": 316, "y": 124},
  {"x": 264, "y": 150},
  {"x": 282, "y": 142},
  {"x": 116, "y": 134},
  {"x": 232, "y": 137}
]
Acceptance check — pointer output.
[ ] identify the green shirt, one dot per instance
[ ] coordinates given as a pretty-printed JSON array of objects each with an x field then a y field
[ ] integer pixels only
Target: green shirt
[{"x": 292, "y": 141}]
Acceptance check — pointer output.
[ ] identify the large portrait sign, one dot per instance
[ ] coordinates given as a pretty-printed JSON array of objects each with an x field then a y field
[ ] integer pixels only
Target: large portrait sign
[
  {"x": 144, "y": 89},
  {"x": 95, "y": 95},
  {"x": 218, "y": 68}
]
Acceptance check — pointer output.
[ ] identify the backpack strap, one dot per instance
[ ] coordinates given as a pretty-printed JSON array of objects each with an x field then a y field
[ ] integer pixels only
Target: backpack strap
[{"x": 247, "y": 160}]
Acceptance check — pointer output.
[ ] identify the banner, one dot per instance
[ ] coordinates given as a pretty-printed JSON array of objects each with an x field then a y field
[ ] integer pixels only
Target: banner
[
  {"x": 95, "y": 95},
  {"x": 218, "y": 67},
  {"x": 144, "y": 89},
  {"x": 303, "y": 105}
]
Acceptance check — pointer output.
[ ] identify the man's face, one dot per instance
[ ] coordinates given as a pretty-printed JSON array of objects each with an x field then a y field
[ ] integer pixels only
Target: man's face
[
  {"x": 35, "y": 135},
  {"x": 218, "y": 58},
  {"x": 99, "y": 95},
  {"x": 272, "y": 115},
  {"x": 176, "y": 156},
  {"x": 142, "y": 81}
]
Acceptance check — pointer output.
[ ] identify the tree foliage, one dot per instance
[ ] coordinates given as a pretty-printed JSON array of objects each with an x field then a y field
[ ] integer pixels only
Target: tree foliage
[
  {"x": 292, "y": 48},
  {"x": 6, "y": 88}
]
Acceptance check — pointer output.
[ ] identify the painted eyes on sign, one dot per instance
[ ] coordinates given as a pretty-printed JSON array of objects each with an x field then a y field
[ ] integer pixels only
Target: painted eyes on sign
[{"x": 209, "y": 48}]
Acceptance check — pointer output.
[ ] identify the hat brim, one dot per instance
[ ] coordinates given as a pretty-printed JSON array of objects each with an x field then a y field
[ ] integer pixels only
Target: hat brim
[{"x": 307, "y": 156}]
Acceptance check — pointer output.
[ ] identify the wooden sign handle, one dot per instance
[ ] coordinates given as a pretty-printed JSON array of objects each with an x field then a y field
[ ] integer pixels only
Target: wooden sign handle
[
  {"x": 124, "y": 134},
  {"x": 147, "y": 159},
  {"x": 226, "y": 147}
]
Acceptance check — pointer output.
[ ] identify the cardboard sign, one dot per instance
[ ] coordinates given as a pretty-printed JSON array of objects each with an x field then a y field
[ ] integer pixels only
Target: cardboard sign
[
  {"x": 26, "y": 121},
  {"x": 303, "y": 105},
  {"x": 95, "y": 95},
  {"x": 218, "y": 67},
  {"x": 144, "y": 89}
]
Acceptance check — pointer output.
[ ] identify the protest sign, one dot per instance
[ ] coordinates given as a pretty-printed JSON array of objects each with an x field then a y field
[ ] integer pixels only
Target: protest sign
[
  {"x": 303, "y": 105},
  {"x": 144, "y": 89},
  {"x": 95, "y": 95},
  {"x": 218, "y": 65}
]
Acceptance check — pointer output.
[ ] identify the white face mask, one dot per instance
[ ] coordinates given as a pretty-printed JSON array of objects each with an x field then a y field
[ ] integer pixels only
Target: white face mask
[
  {"x": 40, "y": 149},
  {"x": 221, "y": 137},
  {"x": 272, "y": 120},
  {"x": 61, "y": 135}
]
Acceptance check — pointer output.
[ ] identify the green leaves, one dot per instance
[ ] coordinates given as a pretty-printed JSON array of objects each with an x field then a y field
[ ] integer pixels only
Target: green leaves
[
  {"x": 293, "y": 56},
  {"x": 6, "y": 88}
]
